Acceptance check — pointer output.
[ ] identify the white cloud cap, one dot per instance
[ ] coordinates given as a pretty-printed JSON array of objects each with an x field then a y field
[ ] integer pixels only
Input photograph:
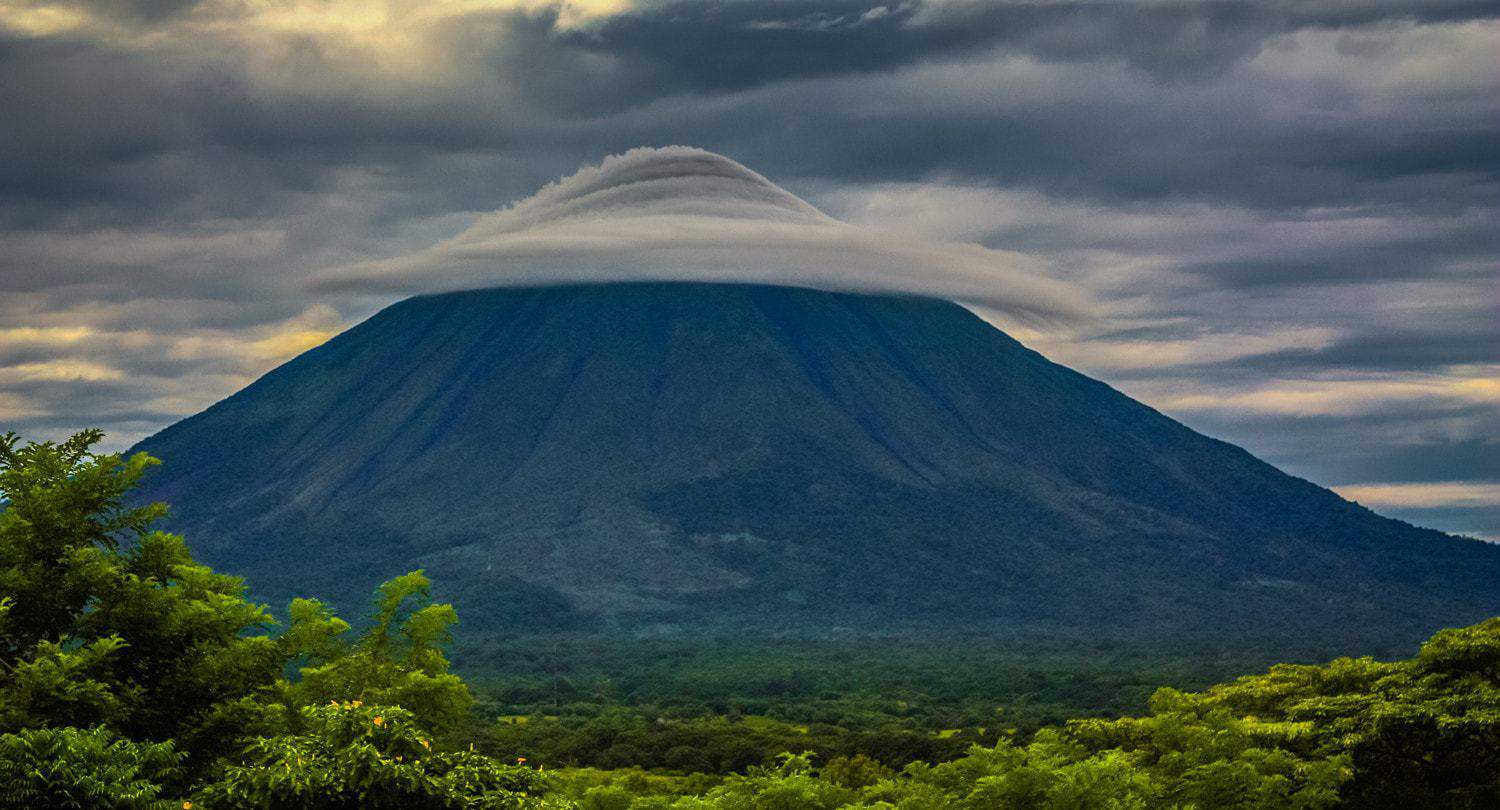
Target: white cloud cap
[{"x": 684, "y": 214}]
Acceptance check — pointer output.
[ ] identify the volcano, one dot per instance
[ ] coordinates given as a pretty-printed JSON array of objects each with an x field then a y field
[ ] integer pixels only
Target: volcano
[{"x": 745, "y": 457}]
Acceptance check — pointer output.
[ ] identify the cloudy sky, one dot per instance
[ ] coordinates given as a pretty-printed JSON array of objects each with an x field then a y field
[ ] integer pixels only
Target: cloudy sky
[{"x": 1275, "y": 221}]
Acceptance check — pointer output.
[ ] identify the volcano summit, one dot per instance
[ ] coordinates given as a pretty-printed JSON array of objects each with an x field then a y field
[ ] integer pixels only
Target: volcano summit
[
  {"x": 769, "y": 457},
  {"x": 615, "y": 439}
]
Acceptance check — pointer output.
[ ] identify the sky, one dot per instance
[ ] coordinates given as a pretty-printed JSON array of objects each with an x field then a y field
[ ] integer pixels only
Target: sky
[{"x": 1275, "y": 221}]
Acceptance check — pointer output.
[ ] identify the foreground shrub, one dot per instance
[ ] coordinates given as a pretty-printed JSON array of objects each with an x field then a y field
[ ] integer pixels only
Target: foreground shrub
[
  {"x": 84, "y": 768},
  {"x": 397, "y": 661},
  {"x": 106, "y": 622},
  {"x": 351, "y": 755}
]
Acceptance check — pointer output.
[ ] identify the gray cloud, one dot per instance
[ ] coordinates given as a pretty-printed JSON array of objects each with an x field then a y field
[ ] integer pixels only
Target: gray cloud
[
  {"x": 745, "y": 44},
  {"x": 1261, "y": 198},
  {"x": 679, "y": 213},
  {"x": 1324, "y": 107}
]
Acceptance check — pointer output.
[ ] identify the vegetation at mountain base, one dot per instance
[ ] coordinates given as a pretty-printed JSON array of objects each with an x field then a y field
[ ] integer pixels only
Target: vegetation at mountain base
[
  {"x": 967, "y": 688},
  {"x": 134, "y": 677}
]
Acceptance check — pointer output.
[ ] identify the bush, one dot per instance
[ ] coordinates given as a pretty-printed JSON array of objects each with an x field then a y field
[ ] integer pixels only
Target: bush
[
  {"x": 84, "y": 768},
  {"x": 354, "y": 756}
]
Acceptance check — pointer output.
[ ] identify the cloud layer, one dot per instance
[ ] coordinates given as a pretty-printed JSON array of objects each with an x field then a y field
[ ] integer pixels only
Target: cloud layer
[
  {"x": 1280, "y": 213},
  {"x": 685, "y": 214}
]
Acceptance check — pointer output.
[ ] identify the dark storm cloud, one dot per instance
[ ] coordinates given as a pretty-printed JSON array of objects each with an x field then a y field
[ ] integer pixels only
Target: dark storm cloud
[
  {"x": 1402, "y": 349},
  {"x": 1433, "y": 461},
  {"x": 138, "y": 10},
  {"x": 1454, "y": 338},
  {"x": 714, "y": 47},
  {"x": 604, "y": 88},
  {"x": 68, "y": 126},
  {"x": 1416, "y": 443},
  {"x": 1277, "y": 202}
]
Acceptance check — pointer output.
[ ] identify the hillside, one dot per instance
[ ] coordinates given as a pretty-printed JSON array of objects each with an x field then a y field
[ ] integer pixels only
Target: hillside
[{"x": 712, "y": 457}]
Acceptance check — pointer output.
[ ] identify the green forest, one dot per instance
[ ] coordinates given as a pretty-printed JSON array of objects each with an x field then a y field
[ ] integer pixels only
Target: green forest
[{"x": 132, "y": 676}]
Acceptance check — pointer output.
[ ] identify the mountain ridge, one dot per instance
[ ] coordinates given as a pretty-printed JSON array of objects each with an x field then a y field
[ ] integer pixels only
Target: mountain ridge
[{"x": 689, "y": 455}]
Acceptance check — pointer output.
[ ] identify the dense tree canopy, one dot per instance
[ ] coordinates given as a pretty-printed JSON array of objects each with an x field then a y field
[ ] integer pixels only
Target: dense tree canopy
[
  {"x": 398, "y": 661},
  {"x": 132, "y": 670},
  {"x": 136, "y": 678},
  {"x": 109, "y": 622},
  {"x": 351, "y": 755}
]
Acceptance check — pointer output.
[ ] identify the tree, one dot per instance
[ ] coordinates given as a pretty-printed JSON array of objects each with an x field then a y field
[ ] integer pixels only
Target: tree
[
  {"x": 132, "y": 671},
  {"x": 64, "y": 522},
  {"x": 107, "y": 621},
  {"x": 398, "y": 661},
  {"x": 855, "y": 772},
  {"x": 1419, "y": 733},
  {"x": 84, "y": 769},
  {"x": 352, "y": 755}
]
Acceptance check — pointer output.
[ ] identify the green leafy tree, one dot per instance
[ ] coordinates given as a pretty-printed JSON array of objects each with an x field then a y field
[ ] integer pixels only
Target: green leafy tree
[
  {"x": 84, "y": 769},
  {"x": 108, "y": 621},
  {"x": 64, "y": 522},
  {"x": 398, "y": 661},
  {"x": 855, "y": 772},
  {"x": 790, "y": 784},
  {"x": 351, "y": 755},
  {"x": 64, "y": 687},
  {"x": 1201, "y": 756},
  {"x": 109, "y": 625},
  {"x": 1419, "y": 733}
]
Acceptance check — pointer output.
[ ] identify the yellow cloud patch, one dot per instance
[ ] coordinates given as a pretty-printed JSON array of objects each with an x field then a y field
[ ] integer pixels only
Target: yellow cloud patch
[
  {"x": 60, "y": 370},
  {"x": 259, "y": 349},
  {"x": 1461, "y": 385},
  {"x": 1100, "y": 355},
  {"x": 289, "y": 344},
  {"x": 401, "y": 40},
  {"x": 44, "y": 335},
  {"x": 40, "y": 19},
  {"x": 1424, "y": 495}
]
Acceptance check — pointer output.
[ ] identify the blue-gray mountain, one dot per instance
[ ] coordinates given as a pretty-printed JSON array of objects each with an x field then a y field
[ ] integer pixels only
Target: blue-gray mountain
[{"x": 768, "y": 458}]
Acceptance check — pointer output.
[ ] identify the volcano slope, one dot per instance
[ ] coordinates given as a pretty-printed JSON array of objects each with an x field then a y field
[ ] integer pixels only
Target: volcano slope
[{"x": 712, "y": 457}]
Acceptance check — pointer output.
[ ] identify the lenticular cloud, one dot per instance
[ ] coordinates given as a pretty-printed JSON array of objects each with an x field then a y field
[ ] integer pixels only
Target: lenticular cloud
[{"x": 684, "y": 214}]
